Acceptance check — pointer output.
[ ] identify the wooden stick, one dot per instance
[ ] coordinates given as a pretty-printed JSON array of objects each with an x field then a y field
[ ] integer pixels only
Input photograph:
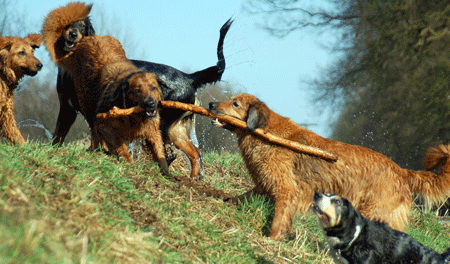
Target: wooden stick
[{"x": 117, "y": 112}]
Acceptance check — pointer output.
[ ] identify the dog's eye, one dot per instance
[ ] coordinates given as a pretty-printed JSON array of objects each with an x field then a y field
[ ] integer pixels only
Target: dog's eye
[
  {"x": 337, "y": 202},
  {"x": 153, "y": 88},
  {"x": 138, "y": 90},
  {"x": 235, "y": 104},
  {"x": 22, "y": 53}
]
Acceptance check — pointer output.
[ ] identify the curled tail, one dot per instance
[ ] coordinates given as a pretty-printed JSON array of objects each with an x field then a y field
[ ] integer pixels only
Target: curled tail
[
  {"x": 434, "y": 187},
  {"x": 214, "y": 73}
]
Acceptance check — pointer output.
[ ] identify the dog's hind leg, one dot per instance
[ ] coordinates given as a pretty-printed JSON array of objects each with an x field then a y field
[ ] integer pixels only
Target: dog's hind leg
[
  {"x": 67, "y": 114},
  {"x": 66, "y": 118},
  {"x": 178, "y": 135}
]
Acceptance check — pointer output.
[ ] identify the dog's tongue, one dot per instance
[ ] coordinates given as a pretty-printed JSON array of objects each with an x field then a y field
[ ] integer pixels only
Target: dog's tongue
[{"x": 325, "y": 218}]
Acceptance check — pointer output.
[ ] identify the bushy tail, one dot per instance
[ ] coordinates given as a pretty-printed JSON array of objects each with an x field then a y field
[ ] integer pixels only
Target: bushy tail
[
  {"x": 435, "y": 157},
  {"x": 213, "y": 74},
  {"x": 434, "y": 187}
]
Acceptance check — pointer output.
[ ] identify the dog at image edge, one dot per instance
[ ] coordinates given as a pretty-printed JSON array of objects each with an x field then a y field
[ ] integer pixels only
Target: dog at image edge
[
  {"x": 16, "y": 60},
  {"x": 376, "y": 186},
  {"x": 175, "y": 85},
  {"x": 355, "y": 239},
  {"x": 104, "y": 78}
]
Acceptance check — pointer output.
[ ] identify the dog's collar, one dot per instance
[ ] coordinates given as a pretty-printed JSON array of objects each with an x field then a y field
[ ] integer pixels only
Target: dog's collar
[{"x": 355, "y": 236}]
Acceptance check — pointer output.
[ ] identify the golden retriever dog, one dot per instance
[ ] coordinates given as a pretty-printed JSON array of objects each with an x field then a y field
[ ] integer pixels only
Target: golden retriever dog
[
  {"x": 103, "y": 78},
  {"x": 374, "y": 184},
  {"x": 16, "y": 60}
]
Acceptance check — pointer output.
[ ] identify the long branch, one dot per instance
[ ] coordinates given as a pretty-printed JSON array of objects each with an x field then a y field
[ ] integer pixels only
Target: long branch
[{"x": 117, "y": 112}]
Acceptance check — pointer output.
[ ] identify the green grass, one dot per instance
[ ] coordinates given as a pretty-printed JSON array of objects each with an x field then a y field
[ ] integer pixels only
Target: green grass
[{"x": 67, "y": 205}]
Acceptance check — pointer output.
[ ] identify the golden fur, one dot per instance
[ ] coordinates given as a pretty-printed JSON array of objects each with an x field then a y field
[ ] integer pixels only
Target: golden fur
[
  {"x": 16, "y": 60},
  {"x": 375, "y": 185},
  {"x": 103, "y": 78}
]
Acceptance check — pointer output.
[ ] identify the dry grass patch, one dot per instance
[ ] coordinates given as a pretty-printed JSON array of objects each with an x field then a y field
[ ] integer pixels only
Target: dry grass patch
[{"x": 67, "y": 205}]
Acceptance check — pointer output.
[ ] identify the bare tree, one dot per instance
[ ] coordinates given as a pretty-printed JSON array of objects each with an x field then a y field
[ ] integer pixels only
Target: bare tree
[
  {"x": 390, "y": 81},
  {"x": 12, "y": 22}
]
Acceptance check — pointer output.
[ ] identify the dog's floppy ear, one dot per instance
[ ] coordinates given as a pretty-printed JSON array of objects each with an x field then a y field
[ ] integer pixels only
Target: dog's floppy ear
[
  {"x": 258, "y": 116},
  {"x": 5, "y": 44},
  {"x": 35, "y": 40},
  {"x": 89, "y": 27}
]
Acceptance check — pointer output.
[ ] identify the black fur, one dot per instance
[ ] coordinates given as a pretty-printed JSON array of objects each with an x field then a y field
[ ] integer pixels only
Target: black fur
[
  {"x": 179, "y": 86},
  {"x": 375, "y": 243},
  {"x": 175, "y": 86}
]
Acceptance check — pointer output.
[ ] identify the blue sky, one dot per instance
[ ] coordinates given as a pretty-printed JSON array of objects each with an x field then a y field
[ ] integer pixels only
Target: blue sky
[{"x": 184, "y": 35}]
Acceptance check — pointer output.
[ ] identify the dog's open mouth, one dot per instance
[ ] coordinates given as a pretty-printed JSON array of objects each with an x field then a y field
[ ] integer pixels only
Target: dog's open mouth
[
  {"x": 70, "y": 45},
  {"x": 151, "y": 113},
  {"x": 28, "y": 71},
  {"x": 323, "y": 217}
]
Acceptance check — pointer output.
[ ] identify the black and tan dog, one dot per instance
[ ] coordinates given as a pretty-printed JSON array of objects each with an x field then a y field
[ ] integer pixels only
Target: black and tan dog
[
  {"x": 175, "y": 85},
  {"x": 103, "y": 77},
  {"x": 355, "y": 239}
]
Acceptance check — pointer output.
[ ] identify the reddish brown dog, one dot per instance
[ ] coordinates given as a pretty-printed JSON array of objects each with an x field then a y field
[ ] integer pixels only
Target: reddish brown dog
[
  {"x": 103, "y": 78},
  {"x": 16, "y": 60},
  {"x": 377, "y": 186}
]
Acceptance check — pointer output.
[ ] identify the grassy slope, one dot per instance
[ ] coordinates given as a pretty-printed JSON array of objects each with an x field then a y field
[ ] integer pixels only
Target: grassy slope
[{"x": 65, "y": 205}]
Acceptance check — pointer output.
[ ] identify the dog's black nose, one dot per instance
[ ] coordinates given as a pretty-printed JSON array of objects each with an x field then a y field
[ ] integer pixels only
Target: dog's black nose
[
  {"x": 39, "y": 65},
  {"x": 73, "y": 34},
  {"x": 317, "y": 196},
  {"x": 149, "y": 104},
  {"x": 212, "y": 105}
]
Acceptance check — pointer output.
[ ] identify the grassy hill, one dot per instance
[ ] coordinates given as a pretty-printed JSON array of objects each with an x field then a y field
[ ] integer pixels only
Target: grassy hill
[{"x": 67, "y": 205}]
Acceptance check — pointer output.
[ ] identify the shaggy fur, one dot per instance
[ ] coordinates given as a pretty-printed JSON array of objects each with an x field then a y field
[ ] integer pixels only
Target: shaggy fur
[
  {"x": 16, "y": 60},
  {"x": 355, "y": 239},
  {"x": 377, "y": 186},
  {"x": 103, "y": 78},
  {"x": 176, "y": 125}
]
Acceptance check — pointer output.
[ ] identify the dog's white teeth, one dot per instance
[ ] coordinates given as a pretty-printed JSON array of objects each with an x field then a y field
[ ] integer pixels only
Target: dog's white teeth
[
  {"x": 216, "y": 123},
  {"x": 151, "y": 113}
]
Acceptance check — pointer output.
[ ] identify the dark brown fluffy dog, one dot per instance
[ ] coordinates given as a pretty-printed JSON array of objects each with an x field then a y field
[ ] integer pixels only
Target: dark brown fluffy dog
[
  {"x": 175, "y": 85},
  {"x": 16, "y": 60},
  {"x": 103, "y": 78},
  {"x": 378, "y": 187}
]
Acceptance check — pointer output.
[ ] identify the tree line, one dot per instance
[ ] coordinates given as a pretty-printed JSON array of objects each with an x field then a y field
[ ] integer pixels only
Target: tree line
[
  {"x": 36, "y": 99},
  {"x": 390, "y": 81}
]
